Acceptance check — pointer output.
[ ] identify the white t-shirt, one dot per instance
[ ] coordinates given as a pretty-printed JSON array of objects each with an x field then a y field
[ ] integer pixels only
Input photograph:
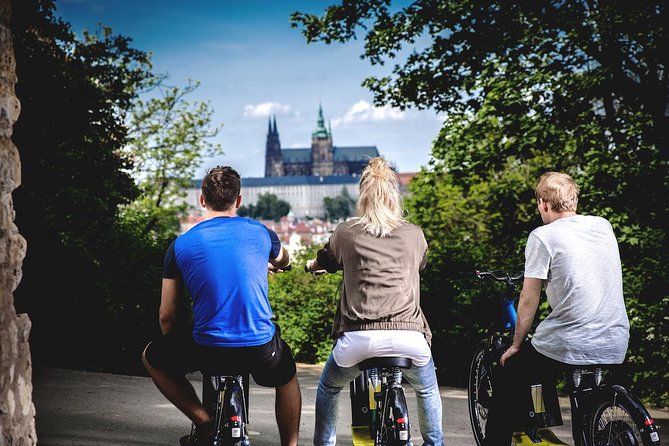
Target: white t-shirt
[
  {"x": 577, "y": 258},
  {"x": 354, "y": 347}
]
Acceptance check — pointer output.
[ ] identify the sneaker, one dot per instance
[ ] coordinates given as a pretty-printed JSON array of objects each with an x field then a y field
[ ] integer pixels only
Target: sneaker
[{"x": 200, "y": 435}]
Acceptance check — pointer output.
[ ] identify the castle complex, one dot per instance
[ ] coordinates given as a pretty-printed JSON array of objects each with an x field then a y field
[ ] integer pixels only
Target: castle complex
[
  {"x": 303, "y": 177},
  {"x": 321, "y": 159}
]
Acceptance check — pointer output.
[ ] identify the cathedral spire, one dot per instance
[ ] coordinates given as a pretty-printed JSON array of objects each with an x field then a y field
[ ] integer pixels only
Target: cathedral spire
[
  {"x": 269, "y": 129},
  {"x": 276, "y": 131},
  {"x": 321, "y": 132}
]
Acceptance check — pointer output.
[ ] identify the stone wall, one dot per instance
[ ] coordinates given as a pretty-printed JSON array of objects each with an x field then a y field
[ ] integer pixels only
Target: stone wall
[{"x": 17, "y": 413}]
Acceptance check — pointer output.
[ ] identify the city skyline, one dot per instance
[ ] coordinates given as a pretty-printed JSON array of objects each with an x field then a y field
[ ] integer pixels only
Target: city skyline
[{"x": 252, "y": 65}]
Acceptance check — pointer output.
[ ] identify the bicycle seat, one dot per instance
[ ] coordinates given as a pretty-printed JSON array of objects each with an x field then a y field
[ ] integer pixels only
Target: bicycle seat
[{"x": 391, "y": 361}]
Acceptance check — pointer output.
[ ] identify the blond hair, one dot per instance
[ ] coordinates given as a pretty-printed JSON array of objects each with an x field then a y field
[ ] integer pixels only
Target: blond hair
[
  {"x": 379, "y": 206},
  {"x": 558, "y": 189}
]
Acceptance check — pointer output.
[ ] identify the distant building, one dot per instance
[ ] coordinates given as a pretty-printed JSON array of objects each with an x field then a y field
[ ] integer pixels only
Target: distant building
[
  {"x": 304, "y": 176},
  {"x": 323, "y": 158}
]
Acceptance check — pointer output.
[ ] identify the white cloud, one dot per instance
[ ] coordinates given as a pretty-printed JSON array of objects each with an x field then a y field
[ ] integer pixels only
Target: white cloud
[
  {"x": 265, "y": 109},
  {"x": 363, "y": 111}
]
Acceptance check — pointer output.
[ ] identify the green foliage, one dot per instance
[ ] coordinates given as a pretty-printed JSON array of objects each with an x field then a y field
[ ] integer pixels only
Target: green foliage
[
  {"x": 528, "y": 87},
  {"x": 340, "y": 207},
  {"x": 77, "y": 283},
  {"x": 92, "y": 276},
  {"x": 169, "y": 139},
  {"x": 268, "y": 207},
  {"x": 304, "y": 306}
]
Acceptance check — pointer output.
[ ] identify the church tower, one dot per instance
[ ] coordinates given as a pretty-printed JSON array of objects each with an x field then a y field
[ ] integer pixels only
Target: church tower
[
  {"x": 273, "y": 157},
  {"x": 321, "y": 148}
]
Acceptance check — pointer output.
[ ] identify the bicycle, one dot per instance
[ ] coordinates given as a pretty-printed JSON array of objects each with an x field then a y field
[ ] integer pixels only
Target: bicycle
[
  {"x": 226, "y": 401},
  {"x": 602, "y": 414},
  {"x": 378, "y": 404}
]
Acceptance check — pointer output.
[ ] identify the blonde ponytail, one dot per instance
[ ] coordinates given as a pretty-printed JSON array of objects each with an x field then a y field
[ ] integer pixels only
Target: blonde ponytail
[{"x": 380, "y": 208}]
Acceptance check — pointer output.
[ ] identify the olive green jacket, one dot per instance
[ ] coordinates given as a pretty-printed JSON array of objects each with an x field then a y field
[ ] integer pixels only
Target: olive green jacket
[{"x": 381, "y": 285}]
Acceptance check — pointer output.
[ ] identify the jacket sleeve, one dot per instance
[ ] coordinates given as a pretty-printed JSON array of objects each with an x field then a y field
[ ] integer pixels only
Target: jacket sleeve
[{"x": 327, "y": 260}]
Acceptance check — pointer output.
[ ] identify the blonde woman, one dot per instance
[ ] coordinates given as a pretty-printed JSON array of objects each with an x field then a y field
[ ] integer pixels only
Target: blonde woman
[{"x": 379, "y": 313}]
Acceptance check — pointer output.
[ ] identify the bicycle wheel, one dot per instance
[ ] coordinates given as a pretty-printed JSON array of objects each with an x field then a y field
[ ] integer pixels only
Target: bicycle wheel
[
  {"x": 233, "y": 418},
  {"x": 479, "y": 391},
  {"x": 621, "y": 420},
  {"x": 392, "y": 428}
]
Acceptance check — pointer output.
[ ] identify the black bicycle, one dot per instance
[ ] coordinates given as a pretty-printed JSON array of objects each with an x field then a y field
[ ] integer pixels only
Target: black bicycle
[
  {"x": 378, "y": 404},
  {"x": 602, "y": 414},
  {"x": 226, "y": 399}
]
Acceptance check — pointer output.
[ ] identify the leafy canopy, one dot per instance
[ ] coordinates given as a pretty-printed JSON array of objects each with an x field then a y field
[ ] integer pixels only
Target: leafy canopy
[{"x": 528, "y": 86}]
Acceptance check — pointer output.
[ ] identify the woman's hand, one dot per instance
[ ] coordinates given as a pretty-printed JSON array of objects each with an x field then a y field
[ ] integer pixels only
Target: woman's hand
[{"x": 313, "y": 267}]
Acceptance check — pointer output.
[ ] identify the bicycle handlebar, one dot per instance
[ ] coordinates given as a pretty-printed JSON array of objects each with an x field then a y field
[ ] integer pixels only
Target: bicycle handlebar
[
  {"x": 500, "y": 276},
  {"x": 285, "y": 269}
]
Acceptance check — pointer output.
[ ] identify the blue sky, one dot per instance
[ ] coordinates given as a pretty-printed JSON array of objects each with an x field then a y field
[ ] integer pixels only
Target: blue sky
[{"x": 251, "y": 64}]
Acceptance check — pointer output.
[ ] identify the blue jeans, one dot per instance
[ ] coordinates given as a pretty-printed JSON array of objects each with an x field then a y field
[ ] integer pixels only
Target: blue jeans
[{"x": 334, "y": 378}]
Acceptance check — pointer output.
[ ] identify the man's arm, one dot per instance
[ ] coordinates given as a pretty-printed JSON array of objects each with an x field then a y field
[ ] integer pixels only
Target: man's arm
[
  {"x": 282, "y": 260},
  {"x": 169, "y": 302},
  {"x": 527, "y": 308}
]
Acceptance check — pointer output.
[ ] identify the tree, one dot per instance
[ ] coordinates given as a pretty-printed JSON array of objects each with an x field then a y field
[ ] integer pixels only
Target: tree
[
  {"x": 530, "y": 86},
  {"x": 80, "y": 283},
  {"x": 305, "y": 306},
  {"x": 169, "y": 138},
  {"x": 622, "y": 44},
  {"x": 340, "y": 207},
  {"x": 267, "y": 207}
]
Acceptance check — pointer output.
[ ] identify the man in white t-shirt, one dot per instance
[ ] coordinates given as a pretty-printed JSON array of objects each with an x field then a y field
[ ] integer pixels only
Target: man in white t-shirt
[{"x": 576, "y": 258}]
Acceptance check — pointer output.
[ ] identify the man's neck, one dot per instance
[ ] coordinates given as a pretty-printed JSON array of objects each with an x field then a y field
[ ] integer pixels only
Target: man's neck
[
  {"x": 558, "y": 215},
  {"x": 209, "y": 214}
]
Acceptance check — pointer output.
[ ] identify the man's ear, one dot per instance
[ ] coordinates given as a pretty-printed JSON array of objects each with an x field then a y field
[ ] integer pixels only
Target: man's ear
[
  {"x": 239, "y": 202},
  {"x": 202, "y": 203}
]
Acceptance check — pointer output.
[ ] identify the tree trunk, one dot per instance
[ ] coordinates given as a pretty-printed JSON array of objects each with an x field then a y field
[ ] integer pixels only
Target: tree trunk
[{"x": 17, "y": 413}]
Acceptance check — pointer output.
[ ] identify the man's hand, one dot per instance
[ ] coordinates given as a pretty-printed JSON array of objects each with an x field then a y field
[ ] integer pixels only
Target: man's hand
[
  {"x": 281, "y": 261},
  {"x": 271, "y": 269},
  {"x": 508, "y": 353}
]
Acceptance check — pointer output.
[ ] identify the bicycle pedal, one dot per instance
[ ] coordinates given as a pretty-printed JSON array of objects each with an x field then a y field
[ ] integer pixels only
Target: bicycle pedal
[
  {"x": 548, "y": 438},
  {"x": 360, "y": 436}
]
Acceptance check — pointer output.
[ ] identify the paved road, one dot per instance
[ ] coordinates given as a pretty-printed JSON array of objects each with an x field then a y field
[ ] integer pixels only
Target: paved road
[{"x": 77, "y": 408}]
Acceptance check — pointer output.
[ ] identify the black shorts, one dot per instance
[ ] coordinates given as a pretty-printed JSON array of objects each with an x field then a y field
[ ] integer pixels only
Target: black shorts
[{"x": 271, "y": 364}]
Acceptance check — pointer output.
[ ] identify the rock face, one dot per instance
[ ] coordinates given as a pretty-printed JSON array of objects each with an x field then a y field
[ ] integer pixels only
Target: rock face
[{"x": 17, "y": 413}]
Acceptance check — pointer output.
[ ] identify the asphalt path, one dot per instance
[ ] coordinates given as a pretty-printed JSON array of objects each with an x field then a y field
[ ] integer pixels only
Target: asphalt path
[{"x": 77, "y": 408}]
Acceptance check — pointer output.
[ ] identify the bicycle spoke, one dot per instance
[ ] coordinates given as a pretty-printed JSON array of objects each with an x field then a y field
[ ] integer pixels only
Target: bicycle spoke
[{"x": 616, "y": 424}]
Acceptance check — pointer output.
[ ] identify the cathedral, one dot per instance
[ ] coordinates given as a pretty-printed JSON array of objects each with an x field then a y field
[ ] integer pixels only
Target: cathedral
[{"x": 323, "y": 158}]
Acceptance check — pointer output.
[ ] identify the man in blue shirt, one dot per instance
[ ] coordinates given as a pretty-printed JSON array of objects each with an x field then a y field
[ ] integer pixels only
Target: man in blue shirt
[{"x": 223, "y": 262}]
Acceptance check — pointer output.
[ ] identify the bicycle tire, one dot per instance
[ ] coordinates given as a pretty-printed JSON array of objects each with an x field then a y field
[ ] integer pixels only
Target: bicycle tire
[
  {"x": 399, "y": 426},
  {"x": 479, "y": 391},
  {"x": 233, "y": 407},
  {"x": 619, "y": 419}
]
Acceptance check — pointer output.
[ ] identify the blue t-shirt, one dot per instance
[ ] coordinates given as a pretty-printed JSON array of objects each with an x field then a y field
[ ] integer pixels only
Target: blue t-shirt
[{"x": 223, "y": 263}]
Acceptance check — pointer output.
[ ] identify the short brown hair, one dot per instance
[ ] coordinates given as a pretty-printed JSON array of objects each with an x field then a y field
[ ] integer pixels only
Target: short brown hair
[
  {"x": 220, "y": 188},
  {"x": 558, "y": 189}
]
